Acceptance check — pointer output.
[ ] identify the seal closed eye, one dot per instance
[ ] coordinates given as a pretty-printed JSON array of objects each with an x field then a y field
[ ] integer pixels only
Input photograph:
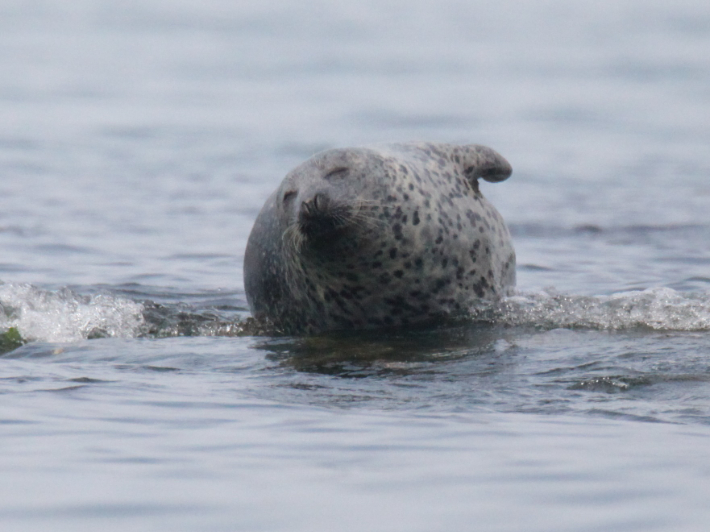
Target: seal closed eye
[
  {"x": 383, "y": 236},
  {"x": 336, "y": 172}
]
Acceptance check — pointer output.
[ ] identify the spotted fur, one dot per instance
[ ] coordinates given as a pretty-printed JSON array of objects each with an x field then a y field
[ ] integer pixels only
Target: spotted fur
[{"x": 383, "y": 236}]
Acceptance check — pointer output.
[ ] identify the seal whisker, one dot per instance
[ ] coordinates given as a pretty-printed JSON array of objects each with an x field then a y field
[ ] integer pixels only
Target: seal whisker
[
  {"x": 364, "y": 220},
  {"x": 292, "y": 238}
]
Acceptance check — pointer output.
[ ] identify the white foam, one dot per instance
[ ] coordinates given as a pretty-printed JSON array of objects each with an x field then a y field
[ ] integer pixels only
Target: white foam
[
  {"x": 655, "y": 308},
  {"x": 64, "y": 316}
]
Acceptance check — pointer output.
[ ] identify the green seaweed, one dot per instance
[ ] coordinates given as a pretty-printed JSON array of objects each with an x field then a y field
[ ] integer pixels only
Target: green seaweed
[{"x": 10, "y": 340}]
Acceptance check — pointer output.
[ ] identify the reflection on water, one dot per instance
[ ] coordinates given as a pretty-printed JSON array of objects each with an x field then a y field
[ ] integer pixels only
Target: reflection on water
[
  {"x": 382, "y": 354},
  {"x": 544, "y": 353}
]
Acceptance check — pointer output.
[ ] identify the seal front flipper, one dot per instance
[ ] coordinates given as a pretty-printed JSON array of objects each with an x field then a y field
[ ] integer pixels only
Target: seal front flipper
[{"x": 481, "y": 161}]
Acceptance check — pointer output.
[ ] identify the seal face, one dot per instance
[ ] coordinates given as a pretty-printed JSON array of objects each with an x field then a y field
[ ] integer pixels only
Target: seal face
[{"x": 382, "y": 236}]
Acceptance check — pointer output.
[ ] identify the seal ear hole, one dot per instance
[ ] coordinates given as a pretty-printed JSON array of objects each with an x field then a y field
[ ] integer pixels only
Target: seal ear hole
[{"x": 335, "y": 173}]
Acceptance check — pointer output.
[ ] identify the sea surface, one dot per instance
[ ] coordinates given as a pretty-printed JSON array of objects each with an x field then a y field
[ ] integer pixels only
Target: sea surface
[{"x": 138, "y": 141}]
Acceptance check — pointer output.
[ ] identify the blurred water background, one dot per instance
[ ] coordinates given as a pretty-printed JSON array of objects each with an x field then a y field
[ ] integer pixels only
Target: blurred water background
[{"x": 138, "y": 141}]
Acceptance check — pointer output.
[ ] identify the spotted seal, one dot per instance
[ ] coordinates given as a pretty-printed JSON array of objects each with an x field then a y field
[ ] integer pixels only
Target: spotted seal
[{"x": 382, "y": 236}]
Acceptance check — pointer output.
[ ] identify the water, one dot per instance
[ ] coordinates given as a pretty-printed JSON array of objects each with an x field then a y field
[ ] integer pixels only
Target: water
[{"x": 138, "y": 142}]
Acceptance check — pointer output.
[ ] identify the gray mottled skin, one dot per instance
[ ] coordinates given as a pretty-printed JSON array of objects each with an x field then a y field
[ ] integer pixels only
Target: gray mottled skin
[{"x": 382, "y": 236}]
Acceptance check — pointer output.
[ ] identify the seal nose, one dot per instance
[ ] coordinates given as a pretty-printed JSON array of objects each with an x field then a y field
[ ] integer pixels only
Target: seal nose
[
  {"x": 316, "y": 217},
  {"x": 314, "y": 207}
]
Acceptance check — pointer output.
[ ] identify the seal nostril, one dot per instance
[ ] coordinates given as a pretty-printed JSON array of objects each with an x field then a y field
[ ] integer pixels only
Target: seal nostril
[
  {"x": 306, "y": 208},
  {"x": 318, "y": 202},
  {"x": 317, "y": 205},
  {"x": 316, "y": 217}
]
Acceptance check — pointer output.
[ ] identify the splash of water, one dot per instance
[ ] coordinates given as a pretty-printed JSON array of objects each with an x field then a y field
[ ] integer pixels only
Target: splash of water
[
  {"x": 64, "y": 316},
  {"x": 660, "y": 309}
]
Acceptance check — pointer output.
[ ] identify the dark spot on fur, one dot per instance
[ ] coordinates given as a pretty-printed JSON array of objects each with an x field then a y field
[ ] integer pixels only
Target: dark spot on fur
[
  {"x": 438, "y": 285},
  {"x": 397, "y": 228}
]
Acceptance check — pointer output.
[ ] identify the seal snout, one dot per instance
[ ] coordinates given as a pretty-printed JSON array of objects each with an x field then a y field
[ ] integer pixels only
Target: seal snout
[
  {"x": 314, "y": 210},
  {"x": 316, "y": 217}
]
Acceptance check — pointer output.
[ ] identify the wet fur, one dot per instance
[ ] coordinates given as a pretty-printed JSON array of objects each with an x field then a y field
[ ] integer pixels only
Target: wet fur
[{"x": 405, "y": 238}]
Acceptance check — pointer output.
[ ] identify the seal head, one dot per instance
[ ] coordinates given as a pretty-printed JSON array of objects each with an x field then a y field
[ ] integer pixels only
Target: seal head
[{"x": 381, "y": 236}]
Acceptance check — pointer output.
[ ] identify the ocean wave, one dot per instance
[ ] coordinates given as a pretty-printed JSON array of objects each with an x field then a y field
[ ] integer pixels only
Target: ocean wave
[
  {"x": 65, "y": 316},
  {"x": 659, "y": 309},
  {"x": 36, "y": 314}
]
